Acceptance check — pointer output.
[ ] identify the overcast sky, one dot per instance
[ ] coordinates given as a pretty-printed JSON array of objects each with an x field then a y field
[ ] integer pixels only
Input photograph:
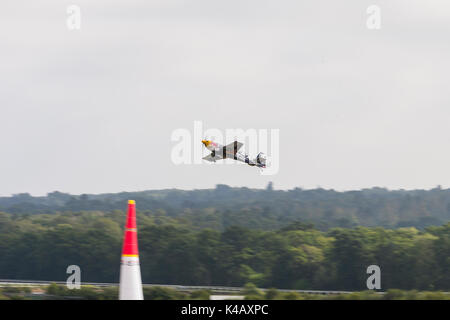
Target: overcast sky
[{"x": 93, "y": 110}]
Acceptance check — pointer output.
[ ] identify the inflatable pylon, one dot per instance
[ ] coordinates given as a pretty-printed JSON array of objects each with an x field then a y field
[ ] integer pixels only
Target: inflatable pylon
[{"x": 130, "y": 287}]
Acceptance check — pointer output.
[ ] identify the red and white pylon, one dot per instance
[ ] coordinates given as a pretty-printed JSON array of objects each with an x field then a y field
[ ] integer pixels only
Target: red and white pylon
[{"x": 130, "y": 287}]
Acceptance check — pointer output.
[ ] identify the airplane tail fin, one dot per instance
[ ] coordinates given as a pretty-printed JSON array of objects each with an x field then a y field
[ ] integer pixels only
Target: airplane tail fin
[{"x": 261, "y": 159}]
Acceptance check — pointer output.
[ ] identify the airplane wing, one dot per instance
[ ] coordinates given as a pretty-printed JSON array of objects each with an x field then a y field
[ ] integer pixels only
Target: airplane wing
[
  {"x": 210, "y": 158},
  {"x": 233, "y": 147}
]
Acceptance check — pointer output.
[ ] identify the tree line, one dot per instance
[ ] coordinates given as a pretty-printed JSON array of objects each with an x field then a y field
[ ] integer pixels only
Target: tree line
[
  {"x": 263, "y": 209},
  {"x": 296, "y": 256}
]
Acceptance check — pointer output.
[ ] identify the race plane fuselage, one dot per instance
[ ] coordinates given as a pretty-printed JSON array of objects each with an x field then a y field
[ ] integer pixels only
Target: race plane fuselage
[{"x": 231, "y": 151}]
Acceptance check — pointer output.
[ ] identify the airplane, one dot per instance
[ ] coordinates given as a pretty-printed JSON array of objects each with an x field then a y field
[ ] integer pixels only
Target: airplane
[{"x": 231, "y": 151}]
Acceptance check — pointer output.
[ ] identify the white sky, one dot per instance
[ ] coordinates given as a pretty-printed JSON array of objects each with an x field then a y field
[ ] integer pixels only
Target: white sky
[{"x": 93, "y": 110}]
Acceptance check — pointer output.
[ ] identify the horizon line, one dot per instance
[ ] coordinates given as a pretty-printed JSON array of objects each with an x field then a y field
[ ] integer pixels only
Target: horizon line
[{"x": 437, "y": 187}]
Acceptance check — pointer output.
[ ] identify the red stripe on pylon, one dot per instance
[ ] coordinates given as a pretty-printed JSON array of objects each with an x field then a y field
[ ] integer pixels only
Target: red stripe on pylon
[{"x": 130, "y": 246}]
